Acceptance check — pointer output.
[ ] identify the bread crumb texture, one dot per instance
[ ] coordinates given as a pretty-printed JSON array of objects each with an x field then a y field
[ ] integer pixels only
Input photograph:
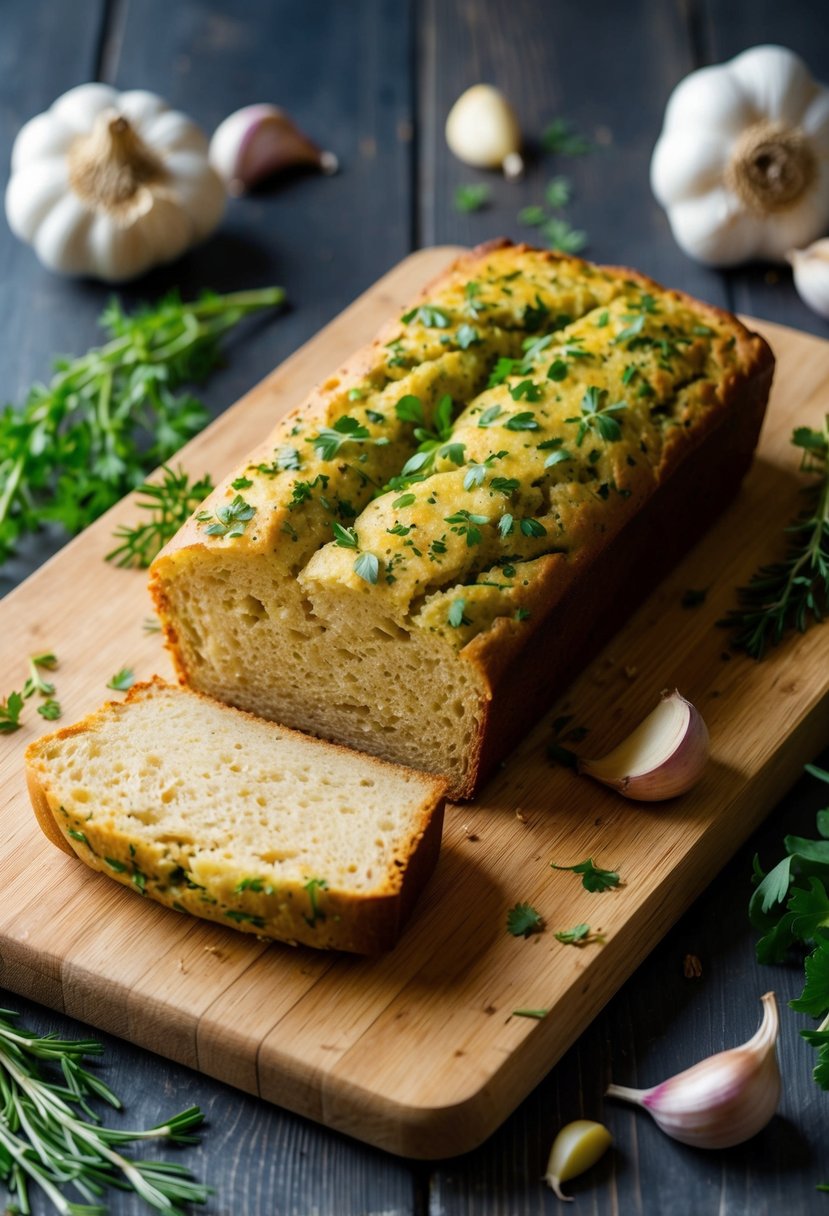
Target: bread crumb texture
[
  {"x": 213, "y": 812},
  {"x": 443, "y": 488}
]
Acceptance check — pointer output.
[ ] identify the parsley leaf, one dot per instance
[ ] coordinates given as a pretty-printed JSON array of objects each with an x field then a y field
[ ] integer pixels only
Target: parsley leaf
[
  {"x": 579, "y": 935},
  {"x": 467, "y": 336},
  {"x": 346, "y": 538},
  {"x": 472, "y": 197},
  {"x": 428, "y": 315},
  {"x": 456, "y": 617},
  {"x": 122, "y": 681},
  {"x": 10, "y": 711},
  {"x": 490, "y": 414},
  {"x": 592, "y": 877},
  {"x": 525, "y": 421},
  {"x": 229, "y": 520},
  {"x": 524, "y": 919},
  {"x": 367, "y": 567},
  {"x": 330, "y": 439},
  {"x": 559, "y": 137}
]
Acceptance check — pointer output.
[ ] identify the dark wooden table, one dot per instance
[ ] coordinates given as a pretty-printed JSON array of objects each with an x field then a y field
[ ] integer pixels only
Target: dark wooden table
[{"x": 373, "y": 80}]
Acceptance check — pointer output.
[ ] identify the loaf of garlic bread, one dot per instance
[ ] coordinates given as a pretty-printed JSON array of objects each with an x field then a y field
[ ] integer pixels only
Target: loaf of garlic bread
[
  {"x": 423, "y": 553},
  {"x": 211, "y": 811}
]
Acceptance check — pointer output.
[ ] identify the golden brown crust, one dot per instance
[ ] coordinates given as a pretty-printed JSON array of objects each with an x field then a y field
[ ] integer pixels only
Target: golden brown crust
[{"x": 359, "y": 923}]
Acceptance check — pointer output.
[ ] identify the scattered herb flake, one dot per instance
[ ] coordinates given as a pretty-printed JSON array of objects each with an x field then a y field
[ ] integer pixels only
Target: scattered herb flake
[
  {"x": 471, "y": 197},
  {"x": 593, "y": 878},
  {"x": 122, "y": 681},
  {"x": 524, "y": 919}
]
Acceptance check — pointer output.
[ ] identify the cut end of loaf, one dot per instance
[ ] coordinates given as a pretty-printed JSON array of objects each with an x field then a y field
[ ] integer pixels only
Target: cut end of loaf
[
  {"x": 250, "y": 636},
  {"x": 211, "y": 811}
]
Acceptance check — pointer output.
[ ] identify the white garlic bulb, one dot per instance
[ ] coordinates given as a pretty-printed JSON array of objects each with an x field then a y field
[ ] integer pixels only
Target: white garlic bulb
[
  {"x": 742, "y": 164},
  {"x": 109, "y": 184}
]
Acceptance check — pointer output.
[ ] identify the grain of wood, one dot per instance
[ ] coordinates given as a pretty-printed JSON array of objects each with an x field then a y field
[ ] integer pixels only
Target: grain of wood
[{"x": 417, "y": 1052}]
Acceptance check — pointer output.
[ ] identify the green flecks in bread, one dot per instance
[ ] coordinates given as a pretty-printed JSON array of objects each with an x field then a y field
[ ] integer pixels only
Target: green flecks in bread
[{"x": 488, "y": 447}]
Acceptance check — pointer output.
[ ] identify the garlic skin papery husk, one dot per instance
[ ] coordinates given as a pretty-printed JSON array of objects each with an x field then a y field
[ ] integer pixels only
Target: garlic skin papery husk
[
  {"x": 482, "y": 130},
  {"x": 663, "y": 757},
  {"x": 810, "y": 268},
  {"x": 577, "y": 1147},
  {"x": 109, "y": 184},
  {"x": 742, "y": 164},
  {"x": 723, "y": 1100},
  {"x": 258, "y": 141}
]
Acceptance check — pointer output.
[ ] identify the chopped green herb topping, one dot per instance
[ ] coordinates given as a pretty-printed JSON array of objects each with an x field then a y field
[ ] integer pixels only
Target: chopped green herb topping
[{"x": 230, "y": 520}]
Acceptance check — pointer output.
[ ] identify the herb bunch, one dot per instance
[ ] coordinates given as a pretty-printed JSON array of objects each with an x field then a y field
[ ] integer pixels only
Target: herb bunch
[
  {"x": 790, "y": 907},
  {"x": 792, "y": 592},
  {"x": 51, "y": 1138},
  {"x": 107, "y": 418}
]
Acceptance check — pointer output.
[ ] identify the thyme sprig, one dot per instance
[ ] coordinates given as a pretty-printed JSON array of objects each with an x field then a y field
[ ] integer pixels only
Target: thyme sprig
[
  {"x": 109, "y": 417},
  {"x": 51, "y": 1138},
  {"x": 169, "y": 503},
  {"x": 789, "y": 593}
]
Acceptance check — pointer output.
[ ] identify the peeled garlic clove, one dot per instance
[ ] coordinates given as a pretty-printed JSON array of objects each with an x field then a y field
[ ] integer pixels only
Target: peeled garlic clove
[
  {"x": 810, "y": 267},
  {"x": 576, "y": 1147},
  {"x": 665, "y": 755},
  {"x": 723, "y": 1100},
  {"x": 482, "y": 130},
  {"x": 258, "y": 141}
]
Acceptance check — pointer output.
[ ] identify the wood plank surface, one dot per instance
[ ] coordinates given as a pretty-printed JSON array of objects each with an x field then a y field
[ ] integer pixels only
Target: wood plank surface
[{"x": 418, "y": 1051}]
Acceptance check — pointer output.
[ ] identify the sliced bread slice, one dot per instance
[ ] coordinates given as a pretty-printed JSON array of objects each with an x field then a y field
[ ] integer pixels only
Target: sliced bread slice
[{"x": 213, "y": 811}]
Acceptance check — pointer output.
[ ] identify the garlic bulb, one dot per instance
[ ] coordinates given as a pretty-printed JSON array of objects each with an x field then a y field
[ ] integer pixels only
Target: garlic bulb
[
  {"x": 258, "y": 141},
  {"x": 482, "y": 130},
  {"x": 663, "y": 757},
  {"x": 723, "y": 1100},
  {"x": 742, "y": 164},
  {"x": 109, "y": 184},
  {"x": 810, "y": 267},
  {"x": 577, "y": 1146}
]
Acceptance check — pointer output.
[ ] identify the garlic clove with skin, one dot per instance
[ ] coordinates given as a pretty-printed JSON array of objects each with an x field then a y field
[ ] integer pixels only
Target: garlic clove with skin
[
  {"x": 258, "y": 141},
  {"x": 810, "y": 268},
  {"x": 577, "y": 1147},
  {"x": 663, "y": 757},
  {"x": 482, "y": 130},
  {"x": 725, "y": 1099}
]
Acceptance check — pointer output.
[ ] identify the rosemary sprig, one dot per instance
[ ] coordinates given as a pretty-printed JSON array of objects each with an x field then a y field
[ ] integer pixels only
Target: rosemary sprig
[
  {"x": 108, "y": 418},
  {"x": 50, "y": 1136},
  {"x": 786, "y": 594},
  {"x": 169, "y": 503}
]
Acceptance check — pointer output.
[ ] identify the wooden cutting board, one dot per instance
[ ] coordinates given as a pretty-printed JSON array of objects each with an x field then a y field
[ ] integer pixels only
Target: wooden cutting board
[{"x": 419, "y": 1052}]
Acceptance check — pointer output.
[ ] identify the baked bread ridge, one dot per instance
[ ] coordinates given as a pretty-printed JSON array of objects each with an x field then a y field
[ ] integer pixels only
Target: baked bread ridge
[
  {"x": 210, "y": 810},
  {"x": 408, "y": 669}
]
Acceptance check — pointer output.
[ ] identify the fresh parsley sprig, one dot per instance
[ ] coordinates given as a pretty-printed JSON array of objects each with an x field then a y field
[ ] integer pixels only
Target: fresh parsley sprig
[
  {"x": 109, "y": 417},
  {"x": 10, "y": 711},
  {"x": 598, "y": 417},
  {"x": 793, "y": 592},
  {"x": 230, "y": 519},
  {"x": 432, "y": 441},
  {"x": 169, "y": 503},
  {"x": 593, "y": 878},
  {"x": 790, "y": 907},
  {"x": 51, "y": 1138}
]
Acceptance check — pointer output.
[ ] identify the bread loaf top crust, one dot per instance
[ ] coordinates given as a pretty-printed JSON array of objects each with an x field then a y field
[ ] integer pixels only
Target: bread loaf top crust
[{"x": 458, "y": 472}]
